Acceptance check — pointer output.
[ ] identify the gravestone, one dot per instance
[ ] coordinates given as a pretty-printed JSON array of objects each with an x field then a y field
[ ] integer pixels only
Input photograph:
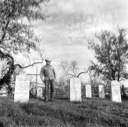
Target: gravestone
[
  {"x": 88, "y": 91},
  {"x": 101, "y": 91},
  {"x": 33, "y": 89},
  {"x": 40, "y": 92},
  {"x": 75, "y": 90},
  {"x": 21, "y": 93},
  {"x": 3, "y": 93},
  {"x": 124, "y": 84},
  {"x": 115, "y": 91}
]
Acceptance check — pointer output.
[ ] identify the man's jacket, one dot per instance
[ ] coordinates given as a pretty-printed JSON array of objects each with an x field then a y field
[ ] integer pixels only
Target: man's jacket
[{"x": 48, "y": 72}]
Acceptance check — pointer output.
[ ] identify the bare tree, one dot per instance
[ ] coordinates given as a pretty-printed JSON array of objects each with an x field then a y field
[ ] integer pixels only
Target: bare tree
[
  {"x": 71, "y": 69},
  {"x": 40, "y": 54}
]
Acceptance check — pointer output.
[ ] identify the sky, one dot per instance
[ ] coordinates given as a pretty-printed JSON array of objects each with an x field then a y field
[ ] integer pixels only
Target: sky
[{"x": 65, "y": 32}]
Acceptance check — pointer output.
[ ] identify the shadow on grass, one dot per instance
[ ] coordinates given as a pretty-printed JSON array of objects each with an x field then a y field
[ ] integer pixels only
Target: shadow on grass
[
  {"x": 61, "y": 112},
  {"x": 1, "y": 125},
  {"x": 62, "y": 98}
]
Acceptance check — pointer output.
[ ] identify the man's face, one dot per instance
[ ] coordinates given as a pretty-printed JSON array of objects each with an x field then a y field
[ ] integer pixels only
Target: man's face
[{"x": 48, "y": 62}]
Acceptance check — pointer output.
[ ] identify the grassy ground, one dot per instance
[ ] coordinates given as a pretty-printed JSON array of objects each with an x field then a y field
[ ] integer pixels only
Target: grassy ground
[{"x": 62, "y": 113}]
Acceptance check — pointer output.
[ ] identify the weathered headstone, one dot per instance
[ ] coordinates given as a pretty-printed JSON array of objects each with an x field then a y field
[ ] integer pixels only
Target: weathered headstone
[
  {"x": 115, "y": 91},
  {"x": 75, "y": 90},
  {"x": 101, "y": 91},
  {"x": 33, "y": 89},
  {"x": 3, "y": 93},
  {"x": 39, "y": 92},
  {"x": 124, "y": 85},
  {"x": 88, "y": 91},
  {"x": 21, "y": 93}
]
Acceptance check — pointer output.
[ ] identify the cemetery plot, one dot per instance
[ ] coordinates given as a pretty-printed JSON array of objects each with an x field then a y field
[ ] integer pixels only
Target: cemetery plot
[
  {"x": 21, "y": 89},
  {"x": 75, "y": 90}
]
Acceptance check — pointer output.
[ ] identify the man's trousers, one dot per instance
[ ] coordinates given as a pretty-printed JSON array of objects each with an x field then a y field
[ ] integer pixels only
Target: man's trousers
[{"x": 49, "y": 85}]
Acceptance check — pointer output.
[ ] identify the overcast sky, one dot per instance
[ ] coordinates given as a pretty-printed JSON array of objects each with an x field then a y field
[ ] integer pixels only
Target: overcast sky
[{"x": 65, "y": 33}]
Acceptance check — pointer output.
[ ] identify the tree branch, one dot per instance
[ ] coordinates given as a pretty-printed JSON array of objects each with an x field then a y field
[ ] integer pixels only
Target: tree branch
[
  {"x": 30, "y": 65},
  {"x": 4, "y": 32},
  {"x": 71, "y": 74},
  {"x": 82, "y": 73},
  {"x": 34, "y": 63}
]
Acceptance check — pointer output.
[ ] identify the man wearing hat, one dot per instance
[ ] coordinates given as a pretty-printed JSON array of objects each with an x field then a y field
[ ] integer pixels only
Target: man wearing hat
[{"x": 48, "y": 75}]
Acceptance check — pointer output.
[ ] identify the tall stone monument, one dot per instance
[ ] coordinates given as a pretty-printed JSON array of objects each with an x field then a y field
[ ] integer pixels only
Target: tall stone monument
[
  {"x": 101, "y": 91},
  {"x": 88, "y": 91},
  {"x": 75, "y": 90},
  {"x": 115, "y": 91},
  {"x": 21, "y": 93}
]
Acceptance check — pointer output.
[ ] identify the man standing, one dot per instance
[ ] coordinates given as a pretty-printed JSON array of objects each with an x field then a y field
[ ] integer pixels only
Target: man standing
[{"x": 48, "y": 75}]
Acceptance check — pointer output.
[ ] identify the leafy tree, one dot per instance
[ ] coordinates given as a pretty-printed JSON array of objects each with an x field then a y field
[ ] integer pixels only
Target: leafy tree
[
  {"x": 111, "y": 53},
  {"x": 16, "y": 36}
]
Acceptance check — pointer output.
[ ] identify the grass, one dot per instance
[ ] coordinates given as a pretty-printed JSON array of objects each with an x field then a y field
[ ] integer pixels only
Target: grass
[{"x": 62, "y": 113}]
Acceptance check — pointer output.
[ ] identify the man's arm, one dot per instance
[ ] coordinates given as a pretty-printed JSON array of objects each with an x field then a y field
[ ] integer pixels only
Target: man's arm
[
  {"x": 54, "y": 73},
  {"x": 42, "y": 74}
]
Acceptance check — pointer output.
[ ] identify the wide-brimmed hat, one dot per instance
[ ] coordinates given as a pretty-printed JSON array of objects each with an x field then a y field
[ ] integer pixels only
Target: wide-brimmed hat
[{"x": 48, "y": 60}]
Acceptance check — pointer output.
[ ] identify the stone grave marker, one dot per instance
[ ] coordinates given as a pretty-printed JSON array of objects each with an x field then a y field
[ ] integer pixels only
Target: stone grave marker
[
  {"x": 101, "y": 91},
  {"x": 4, "y": 92},
  {"x": 115, "y": 91},
  {"x": 124, "y": 85},
  {"x": 75, "y": 90},
  {"x": 40, "y": 92},
  {"x": 88, "y": 91},
  {"x": 21, "y": 93},
  {"x": 33, "y": 89}
]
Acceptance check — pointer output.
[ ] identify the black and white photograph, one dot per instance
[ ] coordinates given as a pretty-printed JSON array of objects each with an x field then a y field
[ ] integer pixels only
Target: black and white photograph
[{"x": 63, "y": 63}]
